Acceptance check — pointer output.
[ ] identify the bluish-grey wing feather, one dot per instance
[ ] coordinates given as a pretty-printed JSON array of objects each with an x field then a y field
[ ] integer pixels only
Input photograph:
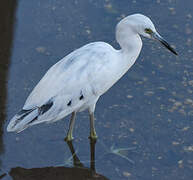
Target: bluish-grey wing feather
[
  {"x": 66, "y": 75},
  {"x": 26, "y": 118}
]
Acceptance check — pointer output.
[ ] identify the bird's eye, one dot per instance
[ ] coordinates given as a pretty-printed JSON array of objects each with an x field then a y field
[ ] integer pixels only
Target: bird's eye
[{"x": 148, "y": 31}]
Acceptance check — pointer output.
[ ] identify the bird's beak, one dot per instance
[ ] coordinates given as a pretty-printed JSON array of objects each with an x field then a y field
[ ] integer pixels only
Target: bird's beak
[{"x": 156, "y": 36}]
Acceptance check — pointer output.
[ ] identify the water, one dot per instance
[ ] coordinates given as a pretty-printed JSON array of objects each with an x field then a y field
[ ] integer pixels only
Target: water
[{"x": 152, "y": 105}]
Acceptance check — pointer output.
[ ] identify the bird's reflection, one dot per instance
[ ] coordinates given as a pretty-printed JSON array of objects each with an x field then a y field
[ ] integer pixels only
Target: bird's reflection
[{"x": 77, "y": 172}]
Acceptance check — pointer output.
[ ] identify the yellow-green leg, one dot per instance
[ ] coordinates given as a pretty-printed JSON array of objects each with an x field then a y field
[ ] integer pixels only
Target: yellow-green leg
[
  {"x": 69, "y": 136},
  {"x": 93, "y": 134}
]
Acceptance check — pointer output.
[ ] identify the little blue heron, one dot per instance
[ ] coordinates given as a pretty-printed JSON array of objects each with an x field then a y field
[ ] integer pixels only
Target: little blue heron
[{"x": 76, "y": 82}]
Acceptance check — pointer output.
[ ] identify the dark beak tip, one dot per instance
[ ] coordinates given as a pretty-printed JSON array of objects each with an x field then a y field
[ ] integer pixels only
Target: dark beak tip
[
  {"x": 168, "y": 47},
  {"x": 164, "y": 42},
  {"x": 176, "y": 53}
]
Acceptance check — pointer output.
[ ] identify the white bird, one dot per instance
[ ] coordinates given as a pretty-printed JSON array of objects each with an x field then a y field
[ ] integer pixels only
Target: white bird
[{"x": 76, "y": 82}]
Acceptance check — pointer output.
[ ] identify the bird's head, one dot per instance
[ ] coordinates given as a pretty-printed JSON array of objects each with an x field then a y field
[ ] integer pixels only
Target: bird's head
[{"x": 143, "y": 26}]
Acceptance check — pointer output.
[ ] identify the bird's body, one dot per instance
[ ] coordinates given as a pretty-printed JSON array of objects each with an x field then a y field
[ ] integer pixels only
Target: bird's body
[
  {"x": 79, "y": 74},
  {"x": 89, "y": 72},
  {"x": 76, "y": 82}
]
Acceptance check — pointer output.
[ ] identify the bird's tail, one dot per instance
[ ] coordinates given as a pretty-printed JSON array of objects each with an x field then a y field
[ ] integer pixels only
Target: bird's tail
[{"x": 22, "y": 120}]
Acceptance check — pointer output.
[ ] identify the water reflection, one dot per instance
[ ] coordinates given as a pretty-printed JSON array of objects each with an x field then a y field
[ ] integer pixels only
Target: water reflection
[
  {"x": 78, "y": 171},
  {"x": 7, "y": 16}
]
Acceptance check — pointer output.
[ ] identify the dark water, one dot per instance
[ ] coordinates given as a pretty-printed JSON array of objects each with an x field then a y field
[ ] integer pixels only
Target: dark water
[{"x": 149, "y": 109}]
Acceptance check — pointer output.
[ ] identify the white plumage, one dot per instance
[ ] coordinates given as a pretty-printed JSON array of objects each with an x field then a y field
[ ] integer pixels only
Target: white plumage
[{"x": 76, "y": 82}]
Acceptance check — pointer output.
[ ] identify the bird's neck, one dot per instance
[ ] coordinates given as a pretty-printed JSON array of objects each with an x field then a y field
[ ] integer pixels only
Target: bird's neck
[
  {"x": 131, "y": 45},
  {"x": 130, "y": 42}
]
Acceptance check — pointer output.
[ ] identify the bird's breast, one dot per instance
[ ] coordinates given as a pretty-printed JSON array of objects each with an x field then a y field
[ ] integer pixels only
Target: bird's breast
[{"x": 111, "y": 72}]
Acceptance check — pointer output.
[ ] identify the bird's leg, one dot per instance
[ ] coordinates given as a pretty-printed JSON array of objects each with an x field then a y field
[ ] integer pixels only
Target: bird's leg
[
  {"x": 92, "y": 154},
  {"x": 69, "y": 136},
  {"x": 93, "y": 134}
]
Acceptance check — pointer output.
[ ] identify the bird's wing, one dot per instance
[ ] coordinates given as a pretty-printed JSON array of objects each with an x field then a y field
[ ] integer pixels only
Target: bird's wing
[
  {"x": 77, "y": 72},
  {"x": 73, "y": 84}
]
